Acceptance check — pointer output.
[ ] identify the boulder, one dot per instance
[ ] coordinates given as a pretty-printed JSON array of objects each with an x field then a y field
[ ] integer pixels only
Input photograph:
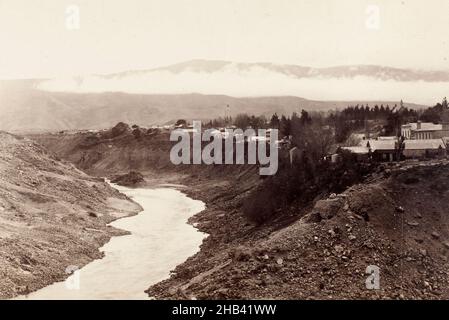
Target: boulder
[
  {"x": 130, "y": 179},
  {"x": 119, "y": 129}
]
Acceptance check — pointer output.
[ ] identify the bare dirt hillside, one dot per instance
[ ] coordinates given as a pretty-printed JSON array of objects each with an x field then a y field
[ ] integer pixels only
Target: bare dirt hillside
[
  {"x": 397, "y": 220},
  {"x": 114, "y": 151},
  {"x": 52, "y": 216},
  {"x": 25, "y": 108},
  {"x": 122, "y": 149}
]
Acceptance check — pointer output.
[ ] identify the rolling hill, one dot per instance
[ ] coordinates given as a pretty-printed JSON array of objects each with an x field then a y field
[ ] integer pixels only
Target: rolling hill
[
  {"x": 201, "y": 89},
  {"x": 24, "y": 108}
]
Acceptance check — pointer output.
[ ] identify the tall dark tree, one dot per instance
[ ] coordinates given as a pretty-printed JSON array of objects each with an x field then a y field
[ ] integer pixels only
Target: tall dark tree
[
  {"x": 242, "y": 121},
  {"x": 284, "y": 126},
  {"x": 305, "y": 118},
  {"x": 275, "y": 122}
]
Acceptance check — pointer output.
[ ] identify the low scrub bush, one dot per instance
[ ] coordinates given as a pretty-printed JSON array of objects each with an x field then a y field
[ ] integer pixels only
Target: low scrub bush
[{"x": 300, "y": 184}]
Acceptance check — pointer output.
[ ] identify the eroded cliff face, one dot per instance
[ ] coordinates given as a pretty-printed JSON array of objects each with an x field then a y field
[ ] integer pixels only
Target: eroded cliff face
[
  {"x": 114, "y": 151},
  {"x": 123, "y": 149},
  {"x": 52, "y": 216},
  {"x": 397, "y": 221}
]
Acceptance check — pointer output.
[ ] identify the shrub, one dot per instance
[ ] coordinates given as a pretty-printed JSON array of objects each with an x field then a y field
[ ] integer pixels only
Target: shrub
[
  {"x": 301, "y": 184},
  {"x": 260, "y": 205}
]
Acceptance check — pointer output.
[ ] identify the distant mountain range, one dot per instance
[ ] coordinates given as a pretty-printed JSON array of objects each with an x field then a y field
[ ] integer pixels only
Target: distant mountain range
[
  {"x": 354, "y": 82},
  {"x": 296, "y": 71},
  {"x": 201, "y": 89}
]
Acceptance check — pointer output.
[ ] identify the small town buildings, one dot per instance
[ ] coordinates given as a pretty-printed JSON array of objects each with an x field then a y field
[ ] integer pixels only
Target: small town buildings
[
  {"x": 362, "y": 153},
  {"x": 418, "y": 140},
  {"x": 383, "y": 149},
  {"x": 424, "y": 130},
  {"x": 425, "y": 139},
  {"x": 378, "y": 150},
  {"x": 284, "y": 143},
  {"x": 446, "y": 141},
  {"x": 427, "y": 148},
  {"x": 387, "y": 138},
  {"x": 334, "y": 158}
]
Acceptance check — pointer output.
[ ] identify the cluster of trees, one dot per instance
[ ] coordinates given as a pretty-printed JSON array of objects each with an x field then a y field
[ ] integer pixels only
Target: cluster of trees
[
  {"x": 339, "y": 124},
  {"x": 244, "y": 121},
  {"x": 241, "y": 121},
  {"x": 314, "y": 135},
  {"x": 437, "y": 114},
  {"x": 361, "y": 117},
  {"x": 376, "y": 113},
  {"x": 300, "y": 182},
  {"x": 343, "y": 122},
  {"x": 296, "y": 186},
  {"x": 219, "y": 122},
  {"x": 286, "y": 125}
]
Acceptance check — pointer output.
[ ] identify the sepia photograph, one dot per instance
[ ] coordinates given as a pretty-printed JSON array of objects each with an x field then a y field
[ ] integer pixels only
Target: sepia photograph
[{"x": 254, "y": 152}]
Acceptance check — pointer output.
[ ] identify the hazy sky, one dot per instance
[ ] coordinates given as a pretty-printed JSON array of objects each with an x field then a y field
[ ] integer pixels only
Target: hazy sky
[{"x": 116, "y": 35}]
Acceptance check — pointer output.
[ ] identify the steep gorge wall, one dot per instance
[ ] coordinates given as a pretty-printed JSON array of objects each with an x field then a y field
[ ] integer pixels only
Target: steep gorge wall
[
  {"x": 52, "y": 216},
  {"x": 107, "y": 153},
  {"x": 398, "y": 223}
]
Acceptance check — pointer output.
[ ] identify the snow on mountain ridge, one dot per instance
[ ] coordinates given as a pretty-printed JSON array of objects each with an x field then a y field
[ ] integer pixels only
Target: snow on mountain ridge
[
  {"x": 357, "y": 82},
  {"x": 298, "y": 71}
]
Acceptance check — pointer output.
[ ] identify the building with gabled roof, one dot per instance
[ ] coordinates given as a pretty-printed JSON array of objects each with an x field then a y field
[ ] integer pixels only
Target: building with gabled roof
[
  {"x": 424, "y": 148},
  {"x": 424, "y": 130},
  {"x": 361, "y": 153},
  {"x": 383, "y": 150}
]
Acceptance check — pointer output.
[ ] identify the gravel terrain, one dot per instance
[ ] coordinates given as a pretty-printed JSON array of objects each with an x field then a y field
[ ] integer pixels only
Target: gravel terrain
[{"x": 52, "y": 216}]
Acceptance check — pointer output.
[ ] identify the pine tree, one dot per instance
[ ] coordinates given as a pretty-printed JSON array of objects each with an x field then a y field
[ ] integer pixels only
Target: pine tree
[{"x": 274, "y": 122}]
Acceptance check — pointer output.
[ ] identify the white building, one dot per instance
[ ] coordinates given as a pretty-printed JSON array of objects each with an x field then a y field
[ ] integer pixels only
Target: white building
[
  {"x": 424, "y": 130},
  {"x": 424, "y": 148}
]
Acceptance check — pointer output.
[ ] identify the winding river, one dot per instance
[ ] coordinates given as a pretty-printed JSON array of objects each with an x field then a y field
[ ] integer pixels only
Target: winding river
[{"x": 160, "y": 240}]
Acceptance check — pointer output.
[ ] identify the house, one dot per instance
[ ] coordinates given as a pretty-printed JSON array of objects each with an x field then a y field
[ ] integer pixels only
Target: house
[
  {"x": 383, "y": 149},
  {"x": 427, "y": 148},
  {"x": 334, "y": 158},
  {"x": 387, "y": 138},
  {"x": 446, "y": 141},
  {"x": 284, "y": 143},
  {"x": 424, "y": 130},
  {"x": 362, "y": 153}
]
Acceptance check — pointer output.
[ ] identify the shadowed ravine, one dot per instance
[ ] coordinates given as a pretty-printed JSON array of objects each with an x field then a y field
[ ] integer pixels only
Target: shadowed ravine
[{"x": 160, "y": 239}]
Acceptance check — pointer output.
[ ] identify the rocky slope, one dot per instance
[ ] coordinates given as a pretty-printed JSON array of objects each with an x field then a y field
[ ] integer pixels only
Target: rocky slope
[
  {"x": 397, "y": 221},
  {"x": 52, "y": 216},
  {"x": 110, "y": 152}
]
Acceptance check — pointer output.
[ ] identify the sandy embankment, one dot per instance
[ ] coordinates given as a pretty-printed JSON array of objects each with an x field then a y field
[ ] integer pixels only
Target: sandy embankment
[{"x": 159, "y": 240}]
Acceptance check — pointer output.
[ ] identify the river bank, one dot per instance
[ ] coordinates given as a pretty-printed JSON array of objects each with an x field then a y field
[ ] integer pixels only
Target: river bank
[
  {"x": 159, "y": 239},
  {"x": 324, "y": 252},
  {"x": 52, "y": 216},
  {"x": 314, "y": 250}
]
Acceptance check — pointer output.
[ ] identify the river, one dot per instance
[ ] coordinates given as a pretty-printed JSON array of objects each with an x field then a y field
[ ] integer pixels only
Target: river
[{"x": 160, "y": 240}]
